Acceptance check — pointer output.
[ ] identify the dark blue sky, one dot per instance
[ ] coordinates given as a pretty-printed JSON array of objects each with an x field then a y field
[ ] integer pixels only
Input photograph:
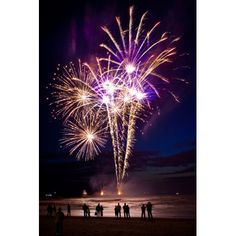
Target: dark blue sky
[
  {"x": 164, "y": 157},
  {"x": 71, "y": 29}
]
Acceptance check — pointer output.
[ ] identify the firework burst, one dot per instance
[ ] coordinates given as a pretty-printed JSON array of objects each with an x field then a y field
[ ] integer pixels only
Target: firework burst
[
  {"x": 115, "y": 94},
  {"x": 85, "y": 136}
]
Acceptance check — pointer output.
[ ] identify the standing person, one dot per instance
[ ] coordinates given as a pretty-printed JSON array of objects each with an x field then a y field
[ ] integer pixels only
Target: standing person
[
  {"x": 59, "y": 222},
  {"x": 84, "y": 207},
  {"x": 68, "y": 210},
  {"x": 119, "y": 210},
  {"x": 116, "y": 211},
  {"x": 101, "y": 209},
  {"x": 125, "y": 210},
  {"x": 49, "y": 210},
  {"x": 149, "y": 210},
  {"x": 143, "y": 209},
  {"x": 98, "y": 209},
  {"x": 54, "y": 209},
  {"x": 88, "y": 211}
]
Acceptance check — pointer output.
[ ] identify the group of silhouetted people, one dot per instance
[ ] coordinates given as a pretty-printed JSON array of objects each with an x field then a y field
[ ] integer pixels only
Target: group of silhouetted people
[
  {"x": 148, "y": 206},
  {"x": 99, "y": 210},
  {"x": 126, "y": 210},
  {"x": 59, "y": 215},
  {"x": 86, "y": 210},
  {"x": 51, "y": 210},
  {"x": 117, "y": 210}
]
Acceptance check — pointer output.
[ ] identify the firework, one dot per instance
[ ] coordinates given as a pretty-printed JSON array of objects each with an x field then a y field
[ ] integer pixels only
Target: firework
[
  {"x": 138, "y": 59},
  {"x": 74, "y": 91},
  {"x": 115, "y": 94},
  {"x": 85, "y": 136}
]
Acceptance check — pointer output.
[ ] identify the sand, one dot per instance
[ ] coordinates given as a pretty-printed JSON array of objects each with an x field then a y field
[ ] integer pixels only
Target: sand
[{"x": 108, "y": 226}]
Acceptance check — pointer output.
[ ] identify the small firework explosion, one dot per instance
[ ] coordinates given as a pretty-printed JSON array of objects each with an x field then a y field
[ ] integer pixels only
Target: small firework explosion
[{"x": 85, "y": 137}]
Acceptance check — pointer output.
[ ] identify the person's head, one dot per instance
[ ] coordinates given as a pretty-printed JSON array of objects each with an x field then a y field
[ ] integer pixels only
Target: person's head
[
  {"x": 118, "y": 203},
  {"x": 59, "y": 209},
  {"x": 125, "y": 204}
]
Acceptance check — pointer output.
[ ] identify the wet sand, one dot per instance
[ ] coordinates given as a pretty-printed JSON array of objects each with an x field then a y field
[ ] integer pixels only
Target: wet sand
[{"x": 109, "y": 226}]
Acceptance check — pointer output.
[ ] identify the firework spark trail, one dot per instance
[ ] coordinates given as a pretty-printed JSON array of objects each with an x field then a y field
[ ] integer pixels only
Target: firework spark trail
[
  {"x": 135, "y": 108},
  {"x": 113, "y": 144},
  {"x": 114, "y": 94},
  {"x": 129, "y": 139},
  {"x": 119, "y": 148},
  {"x": 138, "y": 69}
]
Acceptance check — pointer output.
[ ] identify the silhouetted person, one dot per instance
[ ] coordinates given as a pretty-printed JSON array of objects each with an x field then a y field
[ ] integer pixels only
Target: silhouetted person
[
  {"x": 84, "y": 207},
  {"x": 125, "y": 210},
  {"x": 68, "y": 210},
  {"x": 101, "y": 209},
  {"x": 88, "y": 211},
  {"x": 98, "y": 209},
  {"x": 49, "y": 210},
  {"x": 116, "y": 211},
  {"x": 59, "y": 222},
  {"x": 119, "y": 210},
  {"x": 149, "y": 210},
  {"x": 54, "y": 209},
  {"x": 143, "y": 209}
]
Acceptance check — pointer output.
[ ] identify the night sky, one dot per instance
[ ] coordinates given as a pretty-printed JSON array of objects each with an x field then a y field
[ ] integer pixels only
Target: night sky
[{"x": 70, "y": 30}]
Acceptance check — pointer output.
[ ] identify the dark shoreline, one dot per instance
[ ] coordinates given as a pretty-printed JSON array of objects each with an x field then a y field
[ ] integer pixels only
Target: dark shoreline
[{"x": 106, "y": 226}]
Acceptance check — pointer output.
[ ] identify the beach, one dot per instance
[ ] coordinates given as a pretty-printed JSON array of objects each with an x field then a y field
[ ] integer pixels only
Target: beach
[
  {"x": 164, "y": 206},
  {"x": 75, "y": 226}
]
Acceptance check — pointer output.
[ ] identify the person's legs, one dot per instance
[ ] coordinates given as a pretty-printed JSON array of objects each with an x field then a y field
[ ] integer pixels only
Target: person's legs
[
  {"x": 57, "y": 228},
  {"x": 60, "y": 228}
]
